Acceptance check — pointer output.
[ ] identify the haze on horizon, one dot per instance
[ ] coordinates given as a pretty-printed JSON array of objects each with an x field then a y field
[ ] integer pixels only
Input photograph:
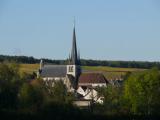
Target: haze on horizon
[{"x": 105, "y": 29}]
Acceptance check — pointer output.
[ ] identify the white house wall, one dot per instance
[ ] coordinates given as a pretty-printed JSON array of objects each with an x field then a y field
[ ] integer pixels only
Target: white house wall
[
  {"x": 81, "y": 91},
  {"x": 89, "y": 94},
  {"x": 93, "y": 84}
]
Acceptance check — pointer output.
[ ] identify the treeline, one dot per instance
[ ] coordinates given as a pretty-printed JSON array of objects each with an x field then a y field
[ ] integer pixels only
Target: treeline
[
  {"x": 84, "y": 62},
  {"x": 124, "y": 64},
  {"x": 28, "y": 60}
]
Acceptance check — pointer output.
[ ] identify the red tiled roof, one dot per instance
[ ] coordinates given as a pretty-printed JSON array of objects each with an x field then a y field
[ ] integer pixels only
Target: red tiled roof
[{"x": 92, "y": 78}]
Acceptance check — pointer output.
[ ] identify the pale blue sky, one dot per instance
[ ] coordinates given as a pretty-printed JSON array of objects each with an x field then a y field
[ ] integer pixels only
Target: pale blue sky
[{"x": 106, "y": 29}]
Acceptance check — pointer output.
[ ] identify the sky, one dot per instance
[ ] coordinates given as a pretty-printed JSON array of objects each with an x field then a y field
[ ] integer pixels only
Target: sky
[{"x": 105, "y": 29}]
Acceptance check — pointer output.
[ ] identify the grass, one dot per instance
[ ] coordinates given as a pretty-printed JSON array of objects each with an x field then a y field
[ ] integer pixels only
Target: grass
[
  {"x": 29, "y": 68},
  {"x": 109, "y": 72},
  {"x": 110, "y": 69}
]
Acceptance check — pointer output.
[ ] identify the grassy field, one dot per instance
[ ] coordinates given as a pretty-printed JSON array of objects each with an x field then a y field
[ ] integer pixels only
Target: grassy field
[
  {"x": 109, "y": 72},
  {"x": 110, "y": 69},
  {"x": 29, "y": 68}
]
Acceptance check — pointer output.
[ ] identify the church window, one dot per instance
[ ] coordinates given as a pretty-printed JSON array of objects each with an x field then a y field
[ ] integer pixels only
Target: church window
[{"x": 70, "y": 68}]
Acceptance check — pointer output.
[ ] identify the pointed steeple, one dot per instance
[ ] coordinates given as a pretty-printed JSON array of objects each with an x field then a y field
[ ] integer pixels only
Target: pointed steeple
[{"x": 74, "y": 58}]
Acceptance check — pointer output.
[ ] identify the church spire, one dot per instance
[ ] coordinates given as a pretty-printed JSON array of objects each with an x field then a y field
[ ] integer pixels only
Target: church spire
[{"x": 74, "y": 58}]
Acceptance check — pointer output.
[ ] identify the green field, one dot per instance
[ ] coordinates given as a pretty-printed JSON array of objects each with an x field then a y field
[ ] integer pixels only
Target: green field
[{"x": 109, "y": 72}]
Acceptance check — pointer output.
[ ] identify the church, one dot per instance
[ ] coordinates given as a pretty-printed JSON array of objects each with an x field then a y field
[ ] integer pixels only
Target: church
[{"x": 73, "y": 76}]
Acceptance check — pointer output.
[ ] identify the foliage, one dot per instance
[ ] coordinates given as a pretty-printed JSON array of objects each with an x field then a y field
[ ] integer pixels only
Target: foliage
[
  {"x": 21, "y": 94},
  {"x": 58, "y": 93},
  {"x": 142, "y": 90},
  {"x": 30, "y": 98},
  {"x": 112, "y": 100},
  {"x": 9, "y": 85},
  {"x": 139, "y": 95}
]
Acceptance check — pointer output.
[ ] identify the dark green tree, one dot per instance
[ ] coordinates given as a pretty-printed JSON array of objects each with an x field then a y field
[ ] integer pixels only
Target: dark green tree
[
  {"x": 9, "y": 85},
  {"x": 30, "y": 98},
  {"x": 113, "y": 104},
  {"x": 59, "y": 94}
]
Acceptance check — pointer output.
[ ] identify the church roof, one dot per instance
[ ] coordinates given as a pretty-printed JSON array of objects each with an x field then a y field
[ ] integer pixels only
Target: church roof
[
  {"x": 92, "y": 78},
  {"x": 54, "y": 71}
]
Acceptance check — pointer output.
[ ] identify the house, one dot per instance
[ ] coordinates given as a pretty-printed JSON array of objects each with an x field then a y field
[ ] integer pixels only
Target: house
[{"x": 88, "y": 82}]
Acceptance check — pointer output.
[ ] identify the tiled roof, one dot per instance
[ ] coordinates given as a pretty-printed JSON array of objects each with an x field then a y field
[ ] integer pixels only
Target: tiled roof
[
  {"x": 54, "y": 71},
  {"x": 92, "y": 78}
]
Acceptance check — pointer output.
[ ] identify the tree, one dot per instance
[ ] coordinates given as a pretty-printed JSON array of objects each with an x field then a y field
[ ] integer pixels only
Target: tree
[
  {"x": 113, "y": 99},
  {"x": 142, "y": 91},
  {"x": 112, "y": 104},
  {"x": 9, "y": 85},
  {"x": 30, "y": 98},
  {"x": 59, "y": 94}
]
